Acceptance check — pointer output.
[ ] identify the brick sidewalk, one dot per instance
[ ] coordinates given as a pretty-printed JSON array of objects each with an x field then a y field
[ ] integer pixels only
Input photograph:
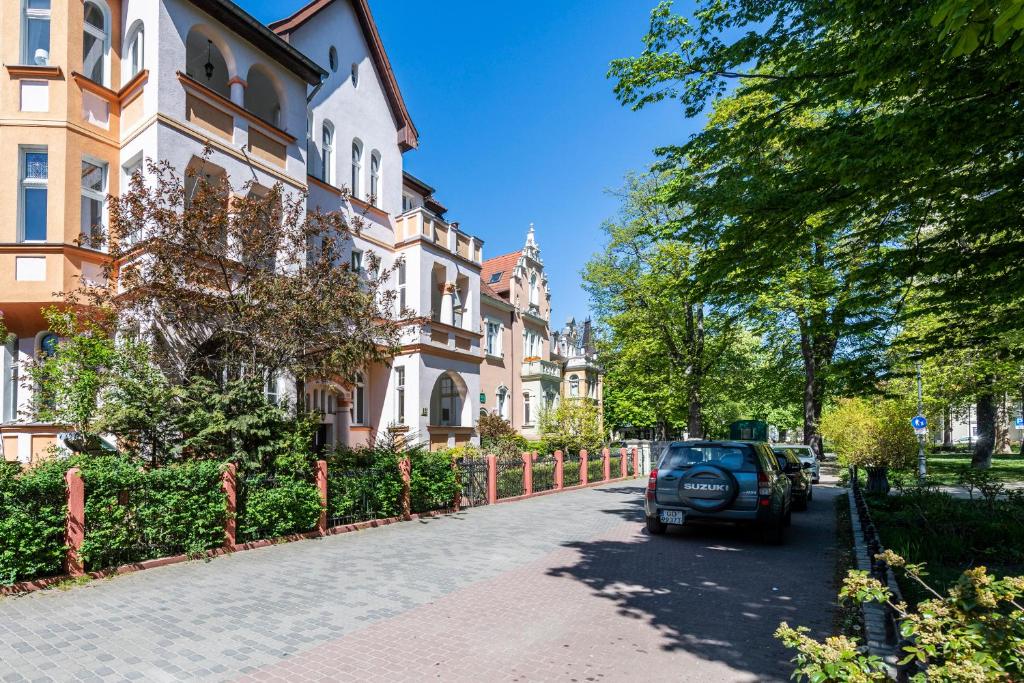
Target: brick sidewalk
[{"x": 556, "y": 588}]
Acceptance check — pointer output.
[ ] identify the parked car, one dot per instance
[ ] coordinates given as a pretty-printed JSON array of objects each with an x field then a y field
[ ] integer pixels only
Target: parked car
[
  {"x": 799, "y": 473},
  {"x": 806, "y": 455},
  {"x": 738, "y": 482}
]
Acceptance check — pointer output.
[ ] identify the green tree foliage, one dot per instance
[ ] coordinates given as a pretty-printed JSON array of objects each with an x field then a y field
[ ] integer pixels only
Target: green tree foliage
[
  {"x": 573, "y": 425},
  {"x": 871, "y": 433}
]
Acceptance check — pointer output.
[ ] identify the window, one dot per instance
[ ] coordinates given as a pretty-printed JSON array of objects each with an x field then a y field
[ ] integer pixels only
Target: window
[
  {"x": 357, "y": 166},
  {"x": 357, "y": 261},
  {"x": 534, "y": 292},
  {"x": 526, "y": 408},
  {"x": 574, "y": 386},
  {"x": 375, "y": 179},
  {"x": 407, "y": 203},
  {"x": 358, "y": 409},
  {"x": 400, "y": 395},
  {"x": 94, "y": 44},
  {"x": 135, "y": 46},
  {"x": 332, "y": 59},
  {"x": 457, "y": 308},
  {"x": 502, "y": 402},
  {"x": 271, "y": 388},
  {"x": 328, "y": 153},
  {"x": 401, "y": 286},
  {"x": 9, "y": 358},
  {"x": 94, "y": 194},
  {"x": 355, "y": 75},
  {"x": 35, "y": 33},
  {"x": 495, "y": 277},
  {"x": 34, "y": 173},
  {"x": 448, "y": 400},
  {"x": 493, "y": 338}
]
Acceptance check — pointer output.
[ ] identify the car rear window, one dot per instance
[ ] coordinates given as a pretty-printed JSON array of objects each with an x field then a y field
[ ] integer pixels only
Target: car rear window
[{"x": 735, "y": 458}]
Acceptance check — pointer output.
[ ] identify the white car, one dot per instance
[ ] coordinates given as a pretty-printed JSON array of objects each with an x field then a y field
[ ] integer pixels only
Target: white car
[{"x": 805, "y": 454}]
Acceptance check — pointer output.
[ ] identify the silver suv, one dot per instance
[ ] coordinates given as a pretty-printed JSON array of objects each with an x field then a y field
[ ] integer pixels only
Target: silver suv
[{"x": 719, "y": 481}]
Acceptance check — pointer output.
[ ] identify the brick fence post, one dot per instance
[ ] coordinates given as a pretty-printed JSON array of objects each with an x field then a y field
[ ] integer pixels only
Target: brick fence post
[
  {"x": 583, "y": 468},
  {"x": 636, "y": 463},
  {"x": 623, "y": 464},
  {"x": 74, "y": 526},
  {"x": 606, "y": 456},
  {"x": 559, "y": 470},
  {"x": 321, "y": 486},
  {"x": 405, "y": 467},
  {"x": 492, "y": 479},
  {"x": 229, "y": 484},
  {"x": 527, "y": 474}
]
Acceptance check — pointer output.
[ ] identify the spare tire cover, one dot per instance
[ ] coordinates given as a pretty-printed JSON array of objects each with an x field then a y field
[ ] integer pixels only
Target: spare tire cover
[{"x": 708, "y": 488}]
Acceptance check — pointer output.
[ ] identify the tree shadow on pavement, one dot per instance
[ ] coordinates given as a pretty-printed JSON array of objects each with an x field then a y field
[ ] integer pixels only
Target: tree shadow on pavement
[{"x": 717, "y": 593}]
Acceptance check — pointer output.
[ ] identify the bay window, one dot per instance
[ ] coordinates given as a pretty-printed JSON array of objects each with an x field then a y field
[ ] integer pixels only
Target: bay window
[
  {"x": 35, "y": 170},
  {"x": 35, "y": 32},
  {"x": 94, "y": 193}
]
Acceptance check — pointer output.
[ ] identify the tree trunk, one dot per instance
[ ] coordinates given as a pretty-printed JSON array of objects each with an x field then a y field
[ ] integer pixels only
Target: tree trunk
[
  {"x": 947, "y": 428},
  {"x": 694, "y": 420},
  {"x": 982, "y": 457},
  {"x": 1002, "y": 431},
  {"x": 812, "y": 397}
]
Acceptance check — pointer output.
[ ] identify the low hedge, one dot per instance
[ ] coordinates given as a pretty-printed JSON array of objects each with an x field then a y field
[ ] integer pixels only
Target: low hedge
[
  {"x": 595, "y": 467},
  {"x": 360, "y": 493},
  {"x": 33, "y": 508},
  {"x": 433, "y": 483},
  {"x": 270, "y": 508},
  {"x": 132, "y": 514}
]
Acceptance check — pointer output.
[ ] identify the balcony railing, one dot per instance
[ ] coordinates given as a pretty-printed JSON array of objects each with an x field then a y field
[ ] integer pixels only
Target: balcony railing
[{"x": 541, "y": 368}]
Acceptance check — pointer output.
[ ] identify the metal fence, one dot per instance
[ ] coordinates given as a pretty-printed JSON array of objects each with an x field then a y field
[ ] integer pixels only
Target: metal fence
[
  {"x": 543, "y": 474},
  {"x": 571, "y": 470},
  {"x": 595, "y": 467},
  {"x": 473, "y": 476},
  {"x": 510, "y": 477}
]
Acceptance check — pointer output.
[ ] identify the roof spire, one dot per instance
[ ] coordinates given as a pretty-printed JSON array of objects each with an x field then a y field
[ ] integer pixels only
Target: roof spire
[{"x": 531, "y": 249}]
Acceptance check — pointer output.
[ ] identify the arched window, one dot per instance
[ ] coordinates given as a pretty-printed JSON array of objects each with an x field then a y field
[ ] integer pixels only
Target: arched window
[
  {"x": 446, "y": 401},
  {"x": 206, "y": 64},
  {"x": 375, "y": 178},
  {"x": 261, "y": 96},
  {"x": 574, "y": 386},
  {"x": 358, "y": 409},
  {"x": 328, "y": 153},
  {"x": 332, "y": 58},
  {"x": 357, "y": 166},
  {"x": 135, "y": 50},
  {"x": 95, "y": 43},
  {"x": 534, "y": 291},
  {"x": 355, "y": 75}
]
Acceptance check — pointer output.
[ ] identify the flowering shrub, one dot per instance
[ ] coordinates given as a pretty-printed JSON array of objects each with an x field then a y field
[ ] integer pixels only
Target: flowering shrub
[{"x": 975, "y": 632}]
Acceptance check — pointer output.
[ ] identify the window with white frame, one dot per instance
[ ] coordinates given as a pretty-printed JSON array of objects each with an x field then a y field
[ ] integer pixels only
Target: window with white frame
[
  {"x": 10, "y": 379},
  {"x": 35, "y": 170},
  {"x": 357, "y": 261},
  {"x": 134, "y": 50},
  {"x": 534, "y": 292},
  {"x": 401, "y": 286},
  {"x": 527, "y": 405},
  {"x": 94, "y": 195},
  {"x": 493, "y": 340},
  {"x": 35, "y": 32},
  {"x": 375, "y": 178},
  {"x": 358, "y": 410},
  {"x": 357, "y": 166},
  {"x": 501, "y": 400},
  {"x": 327, "y": 142},
  {"x": 400, "y": 395},
  {"x": 457, "y": 308},
  {"x": 574, "y": 386},
  {"x": 407, "y": 203},
  {"x": 95, "y": 43},
  {"x": 128, "y": 171}
]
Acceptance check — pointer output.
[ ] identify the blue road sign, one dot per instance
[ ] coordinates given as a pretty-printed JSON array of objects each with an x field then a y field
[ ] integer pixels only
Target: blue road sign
[
  {"x": 1019, "y": 423},
  {"x": 918, "y": 422}
]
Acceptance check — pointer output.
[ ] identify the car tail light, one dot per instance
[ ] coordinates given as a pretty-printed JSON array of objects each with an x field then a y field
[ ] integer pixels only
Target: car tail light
[
  {"x": 764, "y": 488},
  {"x": 652, "y": 484}
]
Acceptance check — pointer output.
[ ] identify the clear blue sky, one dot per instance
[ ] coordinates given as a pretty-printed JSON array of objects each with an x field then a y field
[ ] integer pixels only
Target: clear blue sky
[{"x": 517, "y": 121}]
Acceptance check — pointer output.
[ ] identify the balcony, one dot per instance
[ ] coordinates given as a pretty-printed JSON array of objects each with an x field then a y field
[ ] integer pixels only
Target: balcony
[
  {"x": 541, "y": 369},
  {"x": 421, "y": 224}
]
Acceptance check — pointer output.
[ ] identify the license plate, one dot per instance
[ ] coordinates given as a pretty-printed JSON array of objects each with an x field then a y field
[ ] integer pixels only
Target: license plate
[{"x": 671, "y": 516}]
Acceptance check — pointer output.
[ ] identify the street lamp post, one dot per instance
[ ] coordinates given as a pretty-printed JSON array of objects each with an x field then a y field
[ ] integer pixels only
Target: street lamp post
[{"x": 922, "y": 465}]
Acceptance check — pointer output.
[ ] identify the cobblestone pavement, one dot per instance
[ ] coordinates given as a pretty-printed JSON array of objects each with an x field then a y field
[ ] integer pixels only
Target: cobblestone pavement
[{"x": 561, "y": 587}]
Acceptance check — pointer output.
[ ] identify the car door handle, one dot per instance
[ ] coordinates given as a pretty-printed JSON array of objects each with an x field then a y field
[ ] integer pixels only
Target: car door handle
[{"x": 669, "y": 477}]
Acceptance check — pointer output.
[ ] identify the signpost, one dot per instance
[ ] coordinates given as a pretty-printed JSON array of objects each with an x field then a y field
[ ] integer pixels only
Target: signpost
[
  {"x": 920, "y": 425},
  {"x": 1019, "y": 423}
]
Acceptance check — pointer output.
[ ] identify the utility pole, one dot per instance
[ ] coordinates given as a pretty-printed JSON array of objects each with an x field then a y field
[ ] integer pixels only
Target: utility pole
[{"x": 922, "y": 465}]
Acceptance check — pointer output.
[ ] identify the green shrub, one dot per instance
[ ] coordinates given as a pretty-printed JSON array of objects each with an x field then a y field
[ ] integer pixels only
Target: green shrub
[
  {"x": 595, "y": 467},
  {"x": 132, "y": 514},
  {"x": 32, "y": 513},
  {"x": 364, "y": 483},
  {"x": 287, "y": 506},
  {"x": 434, "y": 483}
]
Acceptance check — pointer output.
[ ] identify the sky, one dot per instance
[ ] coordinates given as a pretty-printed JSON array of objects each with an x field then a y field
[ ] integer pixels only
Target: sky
[{"x": 518, "y": 122}]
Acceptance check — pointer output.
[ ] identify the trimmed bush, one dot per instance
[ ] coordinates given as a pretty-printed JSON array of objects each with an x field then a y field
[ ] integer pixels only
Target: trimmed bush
[
  {"x": 434, "y": 482},
  {"x": 33, "y": 507},
  {"x": 595, "y": 467},
  {"x": 132, "y": 514},
  {"x": 358, "y": 494},
  {"x": 277, "y": 507}
]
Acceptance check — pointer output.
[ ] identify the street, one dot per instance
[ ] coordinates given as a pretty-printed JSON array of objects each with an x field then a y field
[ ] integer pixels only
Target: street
[{"x": 560, "y": 587}]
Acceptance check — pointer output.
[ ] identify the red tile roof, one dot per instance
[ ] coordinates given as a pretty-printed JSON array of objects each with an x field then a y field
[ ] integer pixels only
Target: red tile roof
[{"x": 501, "y": 265}]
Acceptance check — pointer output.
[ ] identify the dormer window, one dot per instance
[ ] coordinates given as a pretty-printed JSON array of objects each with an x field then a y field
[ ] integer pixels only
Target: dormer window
[{"x": 496, "y": 277}]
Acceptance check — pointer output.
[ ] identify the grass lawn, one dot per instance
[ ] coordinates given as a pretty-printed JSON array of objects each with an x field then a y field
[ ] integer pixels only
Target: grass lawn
[{"x": 944, "y": 467}]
